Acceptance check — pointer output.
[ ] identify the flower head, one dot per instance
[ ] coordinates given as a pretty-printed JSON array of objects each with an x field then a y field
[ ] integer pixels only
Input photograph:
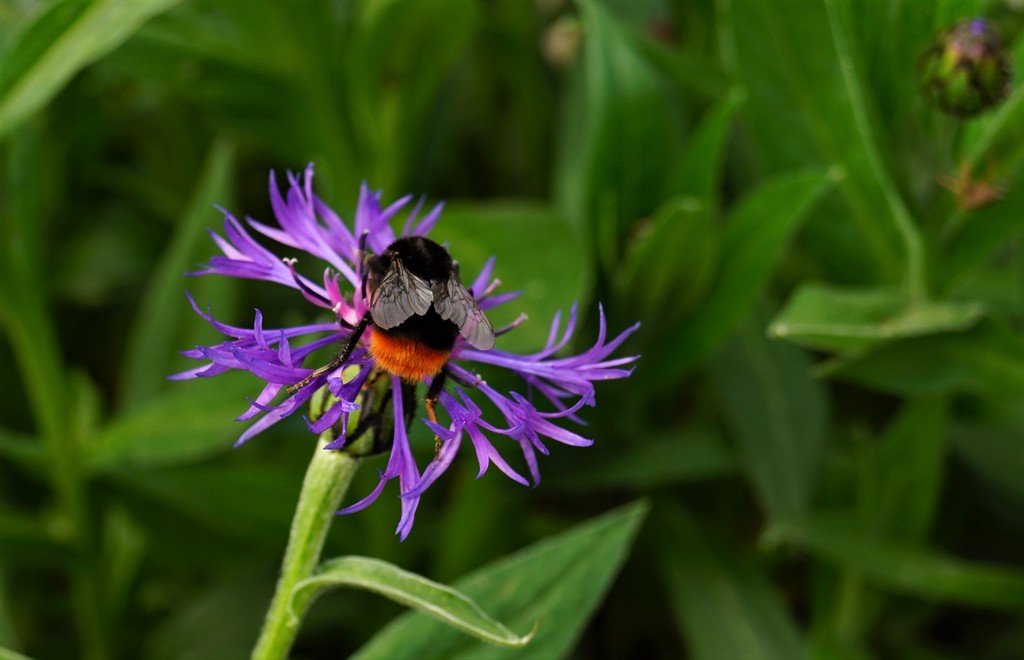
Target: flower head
[
  {"x": 966, "y": 70},
  {"x": 558, "y": 387}
]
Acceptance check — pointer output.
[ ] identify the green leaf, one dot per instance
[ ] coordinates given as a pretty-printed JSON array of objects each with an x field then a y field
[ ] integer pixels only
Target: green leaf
[
  {"x": 399, "y": 56},
  {"x": 901, "y": 475},
  {"x": 439, "y": 601},
  {"x": 838, "y": 319},
  {"x": 665, "y": 457},
  {"x": 985, "y": 359},
  {"x": 699, "y": 170},
  {"x": 8, "y": 654},
  {"x": 725, "y": 603},
  {"x": 153, "y": 334},
  {"x": 124, "y": 544},
  {"x": 670, "y": 263},
  {"x": 219, "y": 620},
  {"x": 752, "y": 245},
  {"x": 907, "y": 568},
  {"x": 617, "y": 133},
  {"x": 777, "y": 415},
  {"x": 554, "y": 585},
  {"x": 190, "y": 422},
  {"x": 979, "y": 235},
  {"x": 805, "y": 110},
  {"x": 535, "y": 254},
  {"x": 20, "y": 447},
  {"x": 252, "y": 502},
  {"x": 60, "y": 43}
]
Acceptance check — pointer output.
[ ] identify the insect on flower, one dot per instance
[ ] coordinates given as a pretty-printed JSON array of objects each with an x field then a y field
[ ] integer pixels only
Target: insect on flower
[
  {"x": 401, "y": 316},
  {"x": 417, "y": 308}
]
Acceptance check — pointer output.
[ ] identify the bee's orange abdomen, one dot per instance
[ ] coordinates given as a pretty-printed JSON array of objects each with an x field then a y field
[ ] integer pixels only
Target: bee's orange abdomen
[{"x": 406, "y": 358}]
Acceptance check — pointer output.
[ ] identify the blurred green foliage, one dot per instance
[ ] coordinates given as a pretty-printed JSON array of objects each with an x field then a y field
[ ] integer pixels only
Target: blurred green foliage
[{"x": 828, "y": 418}]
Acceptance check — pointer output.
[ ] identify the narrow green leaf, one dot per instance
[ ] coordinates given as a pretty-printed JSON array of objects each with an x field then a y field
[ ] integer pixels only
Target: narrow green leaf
[
  {"x": 58, "y": 48},
  {"x": 20, "y": 447},
  {"x": 985, "y": 359},
  {"x": 905, "y": 568},
  {"x": 805, "y": 110},
  {"x": 147, "y": 360},
  {"x": 777, "y": 414},
  {"x": 618, "y": 132},
  {"x": 670, "y": 263},
  {"x": 124, "y": 544},
  {"x": 399, "y": 87},
  {"x": 439, "y": 601},
  {"x": 188, "y": 423},
  {"x": 752, "y": 245},
  {"x": 831, "y": 318},
  {"x": 902, "y": 474},
  {"x": 554, "y": 585},
  {"x": 699, "y": 170},
  {"x": 726, "y": 605}
]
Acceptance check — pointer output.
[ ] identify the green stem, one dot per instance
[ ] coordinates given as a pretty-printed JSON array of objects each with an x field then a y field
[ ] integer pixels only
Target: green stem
[{"x": 327, "y": 478}]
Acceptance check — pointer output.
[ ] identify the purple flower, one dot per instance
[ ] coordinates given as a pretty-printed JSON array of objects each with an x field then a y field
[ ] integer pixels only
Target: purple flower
[{"x": 558, "y": 386}]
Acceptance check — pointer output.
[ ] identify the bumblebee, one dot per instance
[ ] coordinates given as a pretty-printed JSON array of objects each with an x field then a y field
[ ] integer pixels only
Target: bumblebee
[{"x": 417, "y": 307}]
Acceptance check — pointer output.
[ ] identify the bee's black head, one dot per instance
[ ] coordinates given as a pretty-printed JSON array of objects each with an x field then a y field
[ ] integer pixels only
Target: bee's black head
[{"x": 422, "y": 257}]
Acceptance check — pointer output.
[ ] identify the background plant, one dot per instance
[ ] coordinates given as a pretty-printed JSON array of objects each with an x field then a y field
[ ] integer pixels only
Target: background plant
[{"x": 826, "y": 422}]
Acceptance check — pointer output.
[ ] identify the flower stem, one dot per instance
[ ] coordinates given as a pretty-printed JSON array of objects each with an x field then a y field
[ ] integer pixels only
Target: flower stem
[{"x": 327, "y": 478}]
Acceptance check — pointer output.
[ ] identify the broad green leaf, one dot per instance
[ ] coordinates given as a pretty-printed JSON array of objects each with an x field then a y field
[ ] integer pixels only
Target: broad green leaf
[
  {"x": 901, "y": 475},
  {"x": 616, "y": 135},
  {"x": 985, "y": 359},
  {"x": 670, "y": 263},
  {"x": 535, "y": 254},
  {"x": 837, "y": 319},
  {"x": 752, "y": 245},
  {"x": 192, "y": 421},
  {"x": 726, "y": 605},
  {"x": 994, "y": 452},
  {"x": 415, "y": 591},
  {"x": 907, "y": 568},
  {"x": 664, "y": 457},
  {"x": 147, "y": 359},
  {"x": 554, "y": 585},
  {"x": 777, "y": 414},
  {"x": 60, "y": 43}
]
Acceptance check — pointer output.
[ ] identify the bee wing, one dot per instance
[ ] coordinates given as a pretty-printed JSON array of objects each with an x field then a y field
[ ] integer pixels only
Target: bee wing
[
  {"x": 454, "y": 302},
  {"x": 399, "y": 295}
]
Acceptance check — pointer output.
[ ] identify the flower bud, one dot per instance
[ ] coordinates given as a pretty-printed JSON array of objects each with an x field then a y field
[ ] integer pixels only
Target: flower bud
[{"x": 966, "y": 70}]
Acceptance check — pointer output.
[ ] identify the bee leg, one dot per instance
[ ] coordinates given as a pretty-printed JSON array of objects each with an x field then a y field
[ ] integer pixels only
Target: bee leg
[
  {"x": 341, "y": 359},
  {"x": 436, "y": 386}
]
